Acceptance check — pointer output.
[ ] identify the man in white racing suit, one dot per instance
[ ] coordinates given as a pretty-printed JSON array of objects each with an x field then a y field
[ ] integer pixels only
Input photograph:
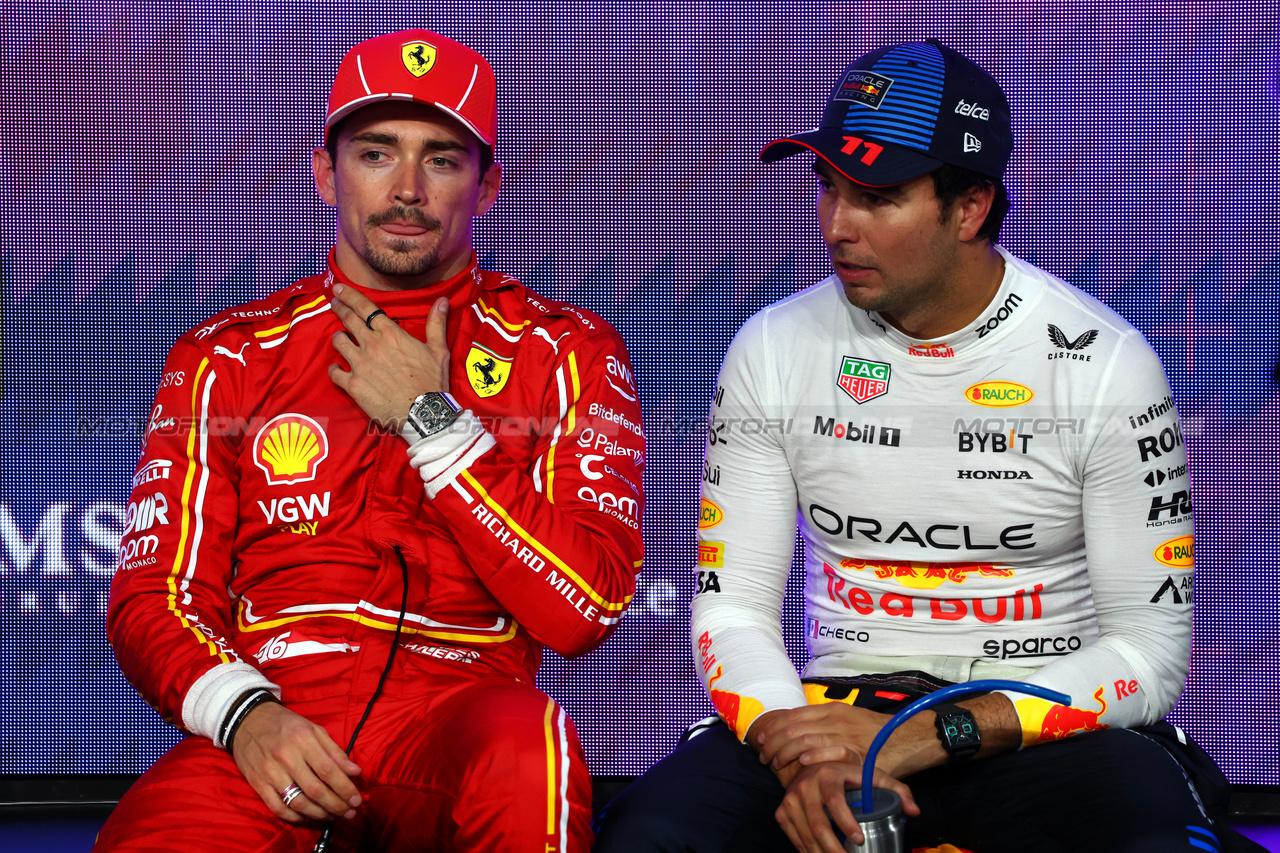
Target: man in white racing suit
[{"x": 988, "y": 473}]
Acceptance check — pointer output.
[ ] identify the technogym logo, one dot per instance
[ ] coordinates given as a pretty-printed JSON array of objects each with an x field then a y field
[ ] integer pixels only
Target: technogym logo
[{"x": 863, "y": 380}]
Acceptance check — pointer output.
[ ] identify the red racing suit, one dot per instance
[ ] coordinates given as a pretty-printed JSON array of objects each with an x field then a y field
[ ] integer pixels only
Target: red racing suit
[{"x": 266, "y": 511}]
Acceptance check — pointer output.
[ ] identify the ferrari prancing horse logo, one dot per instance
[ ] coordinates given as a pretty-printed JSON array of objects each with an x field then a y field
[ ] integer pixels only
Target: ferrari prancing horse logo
[
  {"x": 487, "y": 370},
  {"x": 418, "y": 57}
]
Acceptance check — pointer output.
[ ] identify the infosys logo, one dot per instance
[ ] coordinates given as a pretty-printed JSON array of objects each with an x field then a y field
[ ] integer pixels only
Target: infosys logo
[
  {"x": 998, "y": 395},
  {"x": 1176, "y": 553}
]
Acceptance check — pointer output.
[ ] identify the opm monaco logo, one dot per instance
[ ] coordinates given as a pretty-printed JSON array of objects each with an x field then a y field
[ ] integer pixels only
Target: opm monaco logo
[
  {"x": 290, "y": 448},
  {"x": 863, "y": 380}
]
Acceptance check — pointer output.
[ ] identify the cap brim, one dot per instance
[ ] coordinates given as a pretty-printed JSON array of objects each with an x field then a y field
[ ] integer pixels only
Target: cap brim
[
  {"x": 368, "y": 100},
  {"x": 892, "y": 164}
]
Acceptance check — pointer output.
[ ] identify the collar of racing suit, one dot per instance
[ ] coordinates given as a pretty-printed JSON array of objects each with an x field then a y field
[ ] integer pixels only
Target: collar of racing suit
[
  {"x": 461, "y": 290},
  {"x": 1013, "y": 297}
]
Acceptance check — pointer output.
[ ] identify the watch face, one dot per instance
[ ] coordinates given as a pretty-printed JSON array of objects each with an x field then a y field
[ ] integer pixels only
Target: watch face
[
  {"x": 432, "y": 413},
  {"x": 958, "y": 732}
]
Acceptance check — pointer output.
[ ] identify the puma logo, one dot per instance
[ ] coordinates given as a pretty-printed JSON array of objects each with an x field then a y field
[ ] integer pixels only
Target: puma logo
[
  {"x": 238, "y": 356},
  {"x": 542, "y": 333}
]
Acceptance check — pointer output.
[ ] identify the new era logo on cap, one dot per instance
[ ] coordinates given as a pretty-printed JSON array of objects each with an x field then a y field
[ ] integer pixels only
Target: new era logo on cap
[{"x": 972, "y": 143}]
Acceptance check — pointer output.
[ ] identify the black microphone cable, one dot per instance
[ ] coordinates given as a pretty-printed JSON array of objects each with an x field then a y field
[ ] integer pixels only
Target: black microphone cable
[{"x": 322, "y": 845}]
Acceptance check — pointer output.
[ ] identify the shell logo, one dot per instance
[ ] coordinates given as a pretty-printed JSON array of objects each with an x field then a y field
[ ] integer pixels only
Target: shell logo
[
  {"x": 1176, "y": 553},
  {"x": 289, "y": 449},
  {"x": 998, "y": 394}
]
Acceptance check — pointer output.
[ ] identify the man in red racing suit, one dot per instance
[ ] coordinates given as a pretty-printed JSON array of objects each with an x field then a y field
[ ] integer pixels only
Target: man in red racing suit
[{"x": 274, "y": 519}]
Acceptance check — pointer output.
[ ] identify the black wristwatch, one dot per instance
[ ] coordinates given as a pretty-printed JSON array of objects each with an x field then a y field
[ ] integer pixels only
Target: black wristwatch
[
  {"x": 958, "y": 731},
  {"x": 433, "y": 412}
]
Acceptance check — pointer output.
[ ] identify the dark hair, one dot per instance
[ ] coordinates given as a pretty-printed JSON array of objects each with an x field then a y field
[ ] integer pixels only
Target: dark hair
[
  {"x": 331, "y": 145},
  {"x": 951, "y": 182}
]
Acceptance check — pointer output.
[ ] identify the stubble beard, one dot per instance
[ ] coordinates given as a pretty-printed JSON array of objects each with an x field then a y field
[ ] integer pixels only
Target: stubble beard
[{"x": 401, "y": 257}]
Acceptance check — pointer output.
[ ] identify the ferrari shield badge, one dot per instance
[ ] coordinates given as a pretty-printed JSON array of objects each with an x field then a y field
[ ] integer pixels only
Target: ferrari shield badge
[
  {"x": 487, "y": 371},
  {"x": 418, "y": 57}
]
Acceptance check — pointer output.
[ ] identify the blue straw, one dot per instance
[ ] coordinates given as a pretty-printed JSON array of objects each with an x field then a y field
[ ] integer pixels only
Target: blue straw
[{"x": 987, "y": 685}]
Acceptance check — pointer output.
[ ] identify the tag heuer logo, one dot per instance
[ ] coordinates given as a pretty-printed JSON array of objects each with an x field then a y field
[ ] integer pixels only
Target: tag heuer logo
[
  {"x": 863, "y": 380},
  {"x": 418, "y": 57}
]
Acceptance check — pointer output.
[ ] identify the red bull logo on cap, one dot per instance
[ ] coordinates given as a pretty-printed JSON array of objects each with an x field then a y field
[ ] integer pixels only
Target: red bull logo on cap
[{"x": 863, "y": 87}]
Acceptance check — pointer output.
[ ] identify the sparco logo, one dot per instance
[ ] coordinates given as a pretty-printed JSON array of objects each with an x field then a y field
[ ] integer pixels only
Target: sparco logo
[
  {"x": 1031, "y": 647},
  {"x": 992, "y": 474},
  {"x": 865, "y": 434},
  {"x": 1001, "y": 314}
]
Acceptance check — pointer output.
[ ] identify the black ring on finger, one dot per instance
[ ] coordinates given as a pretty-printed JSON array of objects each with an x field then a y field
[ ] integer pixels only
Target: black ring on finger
[{"x": 368, "y": 321}]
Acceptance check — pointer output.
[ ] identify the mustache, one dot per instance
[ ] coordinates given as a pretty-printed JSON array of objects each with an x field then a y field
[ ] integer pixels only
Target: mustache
[
  {"x": 409, "y": 215},
  {"x": 840, "y": 257}
]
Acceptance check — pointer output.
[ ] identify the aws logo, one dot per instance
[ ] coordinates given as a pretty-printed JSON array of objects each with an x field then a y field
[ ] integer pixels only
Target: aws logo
[
  {"x": 289, "y": 449},
  {"x": 1176, "y": 553},
  {"x": 998, "y": 395}
]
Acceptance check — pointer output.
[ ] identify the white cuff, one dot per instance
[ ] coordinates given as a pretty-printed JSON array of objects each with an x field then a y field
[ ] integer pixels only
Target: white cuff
[
  {"x": 211, "y": 697},
  {"x": 442, "y": 457}
]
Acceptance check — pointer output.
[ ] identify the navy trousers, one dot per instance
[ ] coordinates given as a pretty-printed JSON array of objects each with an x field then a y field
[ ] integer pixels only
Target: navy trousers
[{"x": 1148, "y": 790}]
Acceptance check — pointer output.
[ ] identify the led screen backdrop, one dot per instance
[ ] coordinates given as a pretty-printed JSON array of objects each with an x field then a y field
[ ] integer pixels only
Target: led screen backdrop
[{"x": 154, "y": 169}]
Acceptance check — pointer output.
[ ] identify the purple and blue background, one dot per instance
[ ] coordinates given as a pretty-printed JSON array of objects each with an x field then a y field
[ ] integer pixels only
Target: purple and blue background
[{"x": 155, "y": 168}]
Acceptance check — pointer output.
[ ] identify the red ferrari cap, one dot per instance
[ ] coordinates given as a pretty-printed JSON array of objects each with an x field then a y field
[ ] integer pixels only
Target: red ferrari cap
[{"x": 422, "y": 66}]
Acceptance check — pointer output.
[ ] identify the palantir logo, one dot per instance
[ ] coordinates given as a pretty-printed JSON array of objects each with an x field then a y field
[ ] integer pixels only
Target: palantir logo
[{"x": 289, "y": 449}]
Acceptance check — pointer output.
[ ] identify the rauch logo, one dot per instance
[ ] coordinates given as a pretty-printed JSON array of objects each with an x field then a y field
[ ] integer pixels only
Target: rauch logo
[
  {"x": 998, "y": 395},
  {"x": 1176, "y": 553}
]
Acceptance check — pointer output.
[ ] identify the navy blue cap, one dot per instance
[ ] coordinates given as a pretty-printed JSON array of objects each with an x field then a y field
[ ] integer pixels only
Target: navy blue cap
[{"x": 900, "y": 112}]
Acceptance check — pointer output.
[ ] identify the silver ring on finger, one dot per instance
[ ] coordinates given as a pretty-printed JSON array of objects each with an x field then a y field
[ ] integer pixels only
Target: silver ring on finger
[
  {"x": 290, "y": 793},
  {"x": 368, "y": 321}
]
